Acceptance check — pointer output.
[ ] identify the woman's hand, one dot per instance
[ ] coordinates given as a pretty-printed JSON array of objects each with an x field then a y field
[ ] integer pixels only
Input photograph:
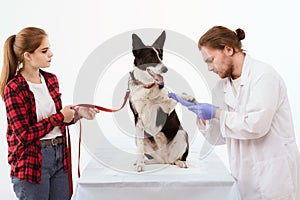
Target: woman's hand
[
  {"x": 68, "y": 113},
  {"x": 87, "y": 113}
]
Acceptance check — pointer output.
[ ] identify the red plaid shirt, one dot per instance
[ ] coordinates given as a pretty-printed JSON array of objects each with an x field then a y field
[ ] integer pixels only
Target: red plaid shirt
[{"x": 24, "y": 132}]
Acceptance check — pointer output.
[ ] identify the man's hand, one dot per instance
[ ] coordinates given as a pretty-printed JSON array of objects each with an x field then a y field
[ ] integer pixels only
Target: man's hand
[{"x": 204, "y": 111}]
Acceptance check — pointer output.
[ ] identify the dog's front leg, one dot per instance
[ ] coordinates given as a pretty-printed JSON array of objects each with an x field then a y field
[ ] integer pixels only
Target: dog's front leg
[{"x": 140, "y": 163}]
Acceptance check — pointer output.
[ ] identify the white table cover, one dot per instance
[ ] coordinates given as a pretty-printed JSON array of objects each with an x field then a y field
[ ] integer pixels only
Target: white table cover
[{"x": 205, "y": 179}]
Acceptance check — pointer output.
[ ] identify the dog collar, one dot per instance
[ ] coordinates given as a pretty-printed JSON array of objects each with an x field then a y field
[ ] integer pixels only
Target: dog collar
[
  {"x": 149, "y": 86},
  {"x": 137, "y": 82}
]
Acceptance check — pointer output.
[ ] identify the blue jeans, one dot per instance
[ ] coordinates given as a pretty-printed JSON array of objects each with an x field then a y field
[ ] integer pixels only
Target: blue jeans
[{"x": 54, "y": 183}]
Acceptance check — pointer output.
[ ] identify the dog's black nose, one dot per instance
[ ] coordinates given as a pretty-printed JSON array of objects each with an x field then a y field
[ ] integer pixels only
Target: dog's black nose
[{"x": 164, "y": 69}]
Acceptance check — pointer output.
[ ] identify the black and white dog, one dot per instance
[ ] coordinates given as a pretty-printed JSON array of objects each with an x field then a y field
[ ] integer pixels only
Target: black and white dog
[{"x": 160, "y": 137}]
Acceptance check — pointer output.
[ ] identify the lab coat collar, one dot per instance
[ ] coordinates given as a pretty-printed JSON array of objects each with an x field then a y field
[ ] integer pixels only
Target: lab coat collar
[
  {"x": 230, "y": 99},
  {"x": 245, "y": 69}
]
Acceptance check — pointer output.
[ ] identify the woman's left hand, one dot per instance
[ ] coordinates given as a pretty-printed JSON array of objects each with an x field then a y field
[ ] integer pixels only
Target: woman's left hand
[{"x": 87, "y": 113}]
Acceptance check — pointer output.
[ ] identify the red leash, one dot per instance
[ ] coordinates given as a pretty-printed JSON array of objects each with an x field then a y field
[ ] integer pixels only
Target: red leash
[
  {"x": 69, "y": 141},
  {"x": 69, "y": 161},
  {"x": 106, "y": 109}
]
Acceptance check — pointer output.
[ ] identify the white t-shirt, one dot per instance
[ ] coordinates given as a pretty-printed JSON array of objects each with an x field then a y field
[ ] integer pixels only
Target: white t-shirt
[
  {"x": 44, "y": 105},
  {"x": 235, "y": 83}
]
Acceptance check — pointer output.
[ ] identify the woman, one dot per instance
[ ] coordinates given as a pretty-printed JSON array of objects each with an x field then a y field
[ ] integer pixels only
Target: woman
[
  {"x": 252, "y": 115},
  {"x": 36, "y": 132}
]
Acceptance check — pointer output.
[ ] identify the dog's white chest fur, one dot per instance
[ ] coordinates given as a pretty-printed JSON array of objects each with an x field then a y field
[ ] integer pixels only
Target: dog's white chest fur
[
  {"x": 147, "y": 98},
  {"x": 146, "y": 102}
]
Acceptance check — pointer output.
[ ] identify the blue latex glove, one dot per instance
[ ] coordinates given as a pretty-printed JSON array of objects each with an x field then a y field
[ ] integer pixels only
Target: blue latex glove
[
  {"x": 204, "y": 111},
  {"x": 181, "y": 100}
]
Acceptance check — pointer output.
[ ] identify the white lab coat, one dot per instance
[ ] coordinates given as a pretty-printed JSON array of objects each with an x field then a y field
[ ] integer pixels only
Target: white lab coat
[{"x": 257, "y": 127}]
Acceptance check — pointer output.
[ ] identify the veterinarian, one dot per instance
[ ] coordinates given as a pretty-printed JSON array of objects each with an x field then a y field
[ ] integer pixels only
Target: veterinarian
[
  {"x": 36, "y": 132},
  {"x": 252, "y": 115}
]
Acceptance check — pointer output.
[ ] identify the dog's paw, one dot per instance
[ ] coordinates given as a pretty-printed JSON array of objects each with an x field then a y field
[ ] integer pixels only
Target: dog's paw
[
  {"x": 181, "y": 164},
  {"x": 187, "y": 97},
  {"x": 140, "y": 167}
]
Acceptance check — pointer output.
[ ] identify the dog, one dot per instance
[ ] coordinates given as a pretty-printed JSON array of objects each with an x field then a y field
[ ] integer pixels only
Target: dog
[{"x": 160, "y": 138}]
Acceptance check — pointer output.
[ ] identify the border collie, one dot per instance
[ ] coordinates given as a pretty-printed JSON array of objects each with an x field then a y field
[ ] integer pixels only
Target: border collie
[{"x": 160, "y": 138}]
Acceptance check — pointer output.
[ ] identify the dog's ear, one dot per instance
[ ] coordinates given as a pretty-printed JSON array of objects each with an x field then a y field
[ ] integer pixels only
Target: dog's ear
[
  {"x": 137, "y": 44},
  {"x": 160, "y": 41}
]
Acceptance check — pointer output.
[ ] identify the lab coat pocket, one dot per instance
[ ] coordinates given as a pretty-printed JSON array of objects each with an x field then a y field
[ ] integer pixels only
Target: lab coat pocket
[{"x": 273, "y": 178}]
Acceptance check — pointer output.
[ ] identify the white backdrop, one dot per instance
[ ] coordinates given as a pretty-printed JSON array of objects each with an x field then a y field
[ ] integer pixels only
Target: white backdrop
[{"x": 76, "y": 28}]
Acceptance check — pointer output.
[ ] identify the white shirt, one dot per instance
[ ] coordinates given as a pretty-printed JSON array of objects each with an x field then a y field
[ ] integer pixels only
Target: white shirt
[
  {"x": 44, "y": 105},
  {"x": 257, "y": 126},
  {"x": 235, "y": 83}
]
